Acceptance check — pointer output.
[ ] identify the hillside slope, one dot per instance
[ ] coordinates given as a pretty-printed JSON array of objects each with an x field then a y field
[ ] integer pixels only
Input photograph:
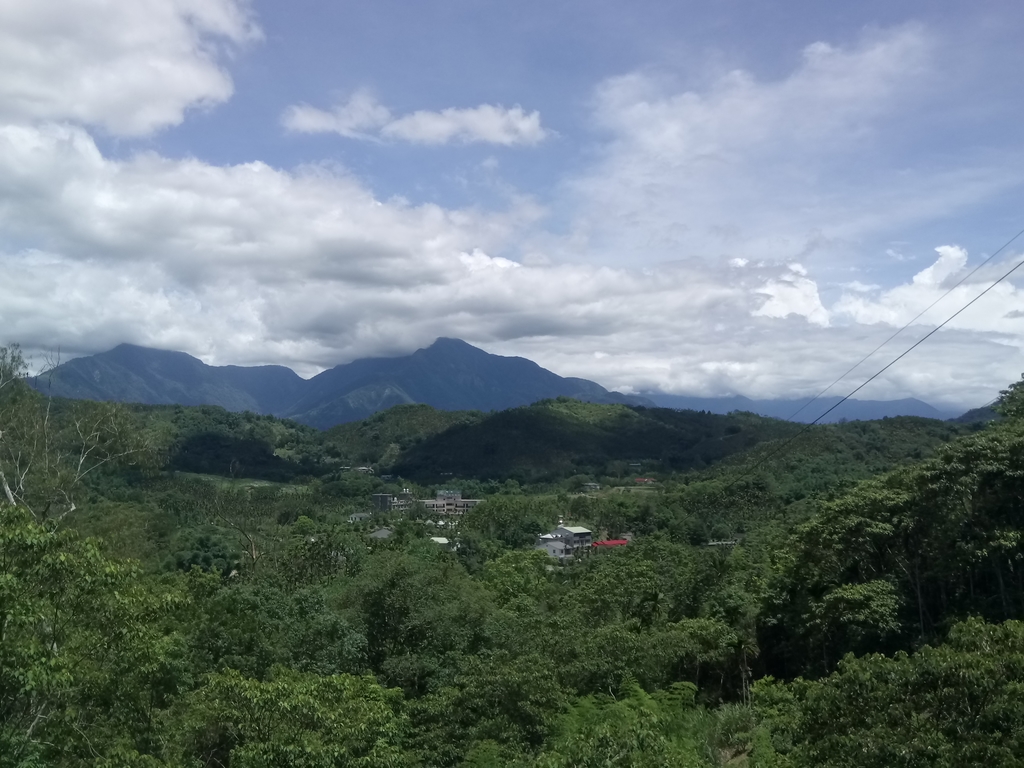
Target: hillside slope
[{"x": 383, "y": 437}]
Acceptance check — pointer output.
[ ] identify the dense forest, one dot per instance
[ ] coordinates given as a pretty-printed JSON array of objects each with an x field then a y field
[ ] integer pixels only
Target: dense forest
[{"x": 182, "y": 586}]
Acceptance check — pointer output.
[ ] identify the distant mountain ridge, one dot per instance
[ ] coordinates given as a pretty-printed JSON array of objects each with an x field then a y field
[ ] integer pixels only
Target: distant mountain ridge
[
  {"x": 449, "y": 375},
  {"x": 134, "y": 374},
  {"x": 851, "y": 410}
]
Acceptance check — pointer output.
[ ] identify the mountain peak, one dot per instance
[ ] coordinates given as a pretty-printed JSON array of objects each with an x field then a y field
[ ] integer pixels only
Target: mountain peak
[
  {"x": 444, "y": 344},
  {"x": 448, "y": 341},
  {"x": 450, "y": 374}
]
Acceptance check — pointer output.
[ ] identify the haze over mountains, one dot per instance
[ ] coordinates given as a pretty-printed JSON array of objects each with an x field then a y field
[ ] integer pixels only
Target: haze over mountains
[{"x": 449, "y": 374}]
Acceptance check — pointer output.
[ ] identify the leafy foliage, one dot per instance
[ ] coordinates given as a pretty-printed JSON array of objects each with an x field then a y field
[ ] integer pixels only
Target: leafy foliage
[
  {"x": 292, "y": 720},
  {"x": 954, "y": 705}
]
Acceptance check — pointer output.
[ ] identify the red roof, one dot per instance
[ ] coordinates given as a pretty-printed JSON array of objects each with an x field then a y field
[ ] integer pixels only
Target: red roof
[{"x": 611, "y": 543}]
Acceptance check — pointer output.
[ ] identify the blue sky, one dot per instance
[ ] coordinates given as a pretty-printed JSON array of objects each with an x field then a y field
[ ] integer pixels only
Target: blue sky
[{"x": 714, "y": 198}]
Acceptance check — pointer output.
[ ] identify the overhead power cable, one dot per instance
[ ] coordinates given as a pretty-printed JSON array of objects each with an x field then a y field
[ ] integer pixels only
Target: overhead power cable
[
  {"x": 891, "y": 363},
  {"x": 917, "y": 317}
]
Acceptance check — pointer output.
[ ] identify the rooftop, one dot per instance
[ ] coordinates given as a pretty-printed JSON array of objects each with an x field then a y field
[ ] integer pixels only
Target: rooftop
[{"x": 575, "y": 529}]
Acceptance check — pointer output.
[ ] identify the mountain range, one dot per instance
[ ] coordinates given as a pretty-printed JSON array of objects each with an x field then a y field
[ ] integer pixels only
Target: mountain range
[
  {"x": 449, "y": 375},
  {"x": 804, "y": 409}
]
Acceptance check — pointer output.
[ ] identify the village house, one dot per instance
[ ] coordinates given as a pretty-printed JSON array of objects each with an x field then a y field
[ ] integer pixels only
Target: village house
[{"x": 566, "y": 542}]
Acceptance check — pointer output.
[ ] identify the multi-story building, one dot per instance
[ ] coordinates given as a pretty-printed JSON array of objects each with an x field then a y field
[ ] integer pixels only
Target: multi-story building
[
  {"x": 566, "y": 542},
  {"x": 386, "y": 502},
  {"x": 449, "y": 502}
]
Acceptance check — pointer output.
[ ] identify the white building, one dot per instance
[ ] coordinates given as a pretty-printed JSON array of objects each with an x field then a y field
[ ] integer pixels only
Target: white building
[
  {"x": 566, "y": 542},
  {"x": 448, "y": 502}
]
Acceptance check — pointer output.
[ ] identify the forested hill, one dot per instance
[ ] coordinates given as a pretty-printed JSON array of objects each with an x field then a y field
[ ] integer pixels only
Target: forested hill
[
  {"x": 850, "y": 599},
  {"x": 563, "y": 437},
  {"x": 449, "y": 375},
  {"x": 547, "y": 442}
]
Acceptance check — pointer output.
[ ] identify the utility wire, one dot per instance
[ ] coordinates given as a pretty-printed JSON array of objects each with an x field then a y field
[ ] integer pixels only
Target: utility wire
[
  {"x": 860, "y": 362},
  {"x": 889, "y": 365}
]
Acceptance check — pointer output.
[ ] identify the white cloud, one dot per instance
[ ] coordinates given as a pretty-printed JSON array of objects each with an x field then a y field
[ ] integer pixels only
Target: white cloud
[
  {"x": 356, "y": 119},
  {"x": 899, "y": 305},
  {"x": 859, "y": 287},
  {"x": 487, "y": 123},
  {"x": 478, "y": 260},
  {"x": 129, "y": 67},
  {"x": 952, "y": 260},
  {"x": 363, "y": 117},
  {"x": 792, "y": 168},
  {"x": 793, "y": 294}
]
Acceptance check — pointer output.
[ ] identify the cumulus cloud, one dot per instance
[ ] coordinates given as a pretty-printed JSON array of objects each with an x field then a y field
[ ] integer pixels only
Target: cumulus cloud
[
  {"x": 901, "y": 304},
  {"x": 793, "y": 294},
  {"x": 791, "y": 168},
  {"x": 951, "y": 261},
  {"x": 363, "y": 117},
  {"x": 129, "y": 67}
]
